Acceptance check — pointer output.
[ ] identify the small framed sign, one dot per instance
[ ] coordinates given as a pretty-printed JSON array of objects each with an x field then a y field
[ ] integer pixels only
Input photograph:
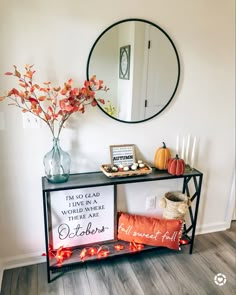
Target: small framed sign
[
  {"x": 122, "y": 154},
  {"x": 82, "y": 216},
  {"x": 124, "y": 70}
]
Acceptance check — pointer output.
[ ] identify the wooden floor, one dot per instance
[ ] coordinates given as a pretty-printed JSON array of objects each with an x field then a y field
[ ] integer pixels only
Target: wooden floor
[{"x": 155, "y": 272}]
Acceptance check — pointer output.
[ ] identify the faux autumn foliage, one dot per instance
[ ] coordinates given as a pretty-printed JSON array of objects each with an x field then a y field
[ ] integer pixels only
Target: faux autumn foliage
[{"x": 53, "y": 105}]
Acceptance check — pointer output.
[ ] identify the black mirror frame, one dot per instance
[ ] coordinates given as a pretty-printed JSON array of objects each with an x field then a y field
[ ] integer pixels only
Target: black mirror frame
[{"x": 177, "y": 57}]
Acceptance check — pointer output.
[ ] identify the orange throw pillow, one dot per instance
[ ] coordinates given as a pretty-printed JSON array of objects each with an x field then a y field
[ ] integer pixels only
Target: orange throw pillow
[{"x": 149, "y": 230}]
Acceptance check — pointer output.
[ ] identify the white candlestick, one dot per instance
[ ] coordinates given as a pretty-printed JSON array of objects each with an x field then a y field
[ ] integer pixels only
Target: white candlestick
[
  {"x": 193, "y": 152},
  {"x": 183, "y": 148},
  {"x": 187, "y": 149},
  {"x": 177, "y": 145}
]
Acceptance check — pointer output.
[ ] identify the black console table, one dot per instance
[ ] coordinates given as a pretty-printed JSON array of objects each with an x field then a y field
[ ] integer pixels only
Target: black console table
[{"x": 98, "y": 179}]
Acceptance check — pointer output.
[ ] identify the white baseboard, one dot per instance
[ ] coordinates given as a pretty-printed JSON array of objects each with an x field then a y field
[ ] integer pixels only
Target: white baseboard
[
  {"x": 211, "y": 228},
  {"x": 23, "y": 260},
  {"x": 231, "y": 206}
]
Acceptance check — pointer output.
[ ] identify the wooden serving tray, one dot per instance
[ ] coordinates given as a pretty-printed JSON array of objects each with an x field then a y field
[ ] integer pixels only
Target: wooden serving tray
[{"x": 140, "y": 171}]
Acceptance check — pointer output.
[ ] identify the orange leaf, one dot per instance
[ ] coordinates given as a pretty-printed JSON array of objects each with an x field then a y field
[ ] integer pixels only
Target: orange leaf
[
  {"x": 101, "y": 100},
  {"x": 36, "y": 86},
  {"x": 50, "y": 109},
  {"x": 22, "y": 96},
  {"x": 17, "y": 74},
  {"x": 62, "y": 104},
  {"x": 75, "y": 109},
  {"x": 64, "y": 91},
  {"x": 69, "y": 108},
  {"x": 92, "y": 78},
  {"x": 42, "y": 98},
  {"x": 27, "y": 67},
  {"x": 13, "y": 91},
  {"x": 74, "y": 92},
  {"x": 60, "y": 113},
  {"x": 37, "y": 111},
  {"x": 33, "y": 100},
  {"x": 57, "y": 88},
  {"x": 94, "y": 103},
  {"x": 81, "y": 108},
  {"x": 47, "y": 117},
  {"x": 32, "y": 89},
  {"x": 2, "y": 98},
  {"x": 43, "y": 89},
  {"x": 67, "y": 87},
  {"x": 70, "y": 82},
  {"x": 24, "y": 85},
  {"x": 86, "y": 83},
  {"x": 29, "y": 74}
]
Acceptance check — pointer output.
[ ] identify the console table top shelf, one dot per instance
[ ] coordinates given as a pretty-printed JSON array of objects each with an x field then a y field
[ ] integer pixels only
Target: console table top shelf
[{"x": 90, "y": 179}]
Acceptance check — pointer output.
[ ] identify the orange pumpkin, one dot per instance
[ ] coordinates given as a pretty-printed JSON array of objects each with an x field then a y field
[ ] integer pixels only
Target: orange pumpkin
[
  {"x": 176, "y": 166},
  {"x": 162, "y": 157}
]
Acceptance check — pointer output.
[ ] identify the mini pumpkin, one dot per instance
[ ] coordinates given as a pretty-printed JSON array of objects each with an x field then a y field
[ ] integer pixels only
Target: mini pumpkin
[
  {"x": 162, "y": 157},
  {"x": 176, "y": 166}
]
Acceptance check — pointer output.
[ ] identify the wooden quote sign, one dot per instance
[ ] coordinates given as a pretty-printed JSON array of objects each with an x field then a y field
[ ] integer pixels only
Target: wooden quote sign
[{"x": 82, "y": 216}]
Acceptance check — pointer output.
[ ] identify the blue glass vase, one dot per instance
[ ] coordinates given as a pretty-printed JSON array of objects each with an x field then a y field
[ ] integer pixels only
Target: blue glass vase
[{"x": 57, "y": 163}]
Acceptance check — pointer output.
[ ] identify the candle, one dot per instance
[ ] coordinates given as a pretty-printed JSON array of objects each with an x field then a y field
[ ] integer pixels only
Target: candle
[
  {"x": 92, "y": 251},
  {"x": 83, "y": 254},
  {"x": 183, "y": 148},
  {"x": 139, "y": 246},
  {"x": 135, "y": 247},
  {"x": 193, "y": 152},
  {"x": 118, "y": 247},
  {"x": 103, "y": 253},
  {"x": 177, "y": 145},
  {"x": 183, "y": 242},
  {"x": 187, "y": 148}
]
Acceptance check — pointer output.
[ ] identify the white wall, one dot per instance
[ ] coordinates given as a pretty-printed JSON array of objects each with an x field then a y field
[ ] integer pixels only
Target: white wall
[
  {"x": 57, "y": 36},
  {"x": 103, "y": 62},
  {"x": 125, "y": 87}
]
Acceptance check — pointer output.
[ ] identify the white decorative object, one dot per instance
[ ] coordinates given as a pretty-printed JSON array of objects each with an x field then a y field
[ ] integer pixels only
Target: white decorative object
[
  {"x": 193, "y": 152},
  {"x": 177, "y": 145},
  {"x": 187, "y": 149},
  {"x": 175, "y": 205},
  {"x": 134, "y": 167},
  {"x": 183, "y": 149}
]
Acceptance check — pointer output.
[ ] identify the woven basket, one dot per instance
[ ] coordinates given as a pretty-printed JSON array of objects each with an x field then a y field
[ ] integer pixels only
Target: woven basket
[{"x": 175, "y": 205}]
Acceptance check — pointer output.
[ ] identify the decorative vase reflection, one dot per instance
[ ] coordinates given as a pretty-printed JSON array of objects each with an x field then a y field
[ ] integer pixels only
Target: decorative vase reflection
[{"x": 57, "y": 163}]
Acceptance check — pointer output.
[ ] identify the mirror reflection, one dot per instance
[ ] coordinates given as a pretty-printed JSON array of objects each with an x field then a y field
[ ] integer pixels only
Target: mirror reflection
[{"x": 139, "y": 63}]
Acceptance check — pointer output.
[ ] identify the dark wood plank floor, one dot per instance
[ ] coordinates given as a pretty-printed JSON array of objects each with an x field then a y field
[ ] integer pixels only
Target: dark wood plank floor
[{"x": 161, "y": 271}]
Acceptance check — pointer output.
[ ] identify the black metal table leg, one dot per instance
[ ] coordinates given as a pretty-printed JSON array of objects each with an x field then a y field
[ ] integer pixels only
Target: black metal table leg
[{"x": 197, "y": 181}]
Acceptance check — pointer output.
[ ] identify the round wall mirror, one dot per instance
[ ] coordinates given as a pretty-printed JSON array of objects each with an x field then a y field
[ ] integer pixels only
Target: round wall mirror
[{"x": 139, "y": 63}]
